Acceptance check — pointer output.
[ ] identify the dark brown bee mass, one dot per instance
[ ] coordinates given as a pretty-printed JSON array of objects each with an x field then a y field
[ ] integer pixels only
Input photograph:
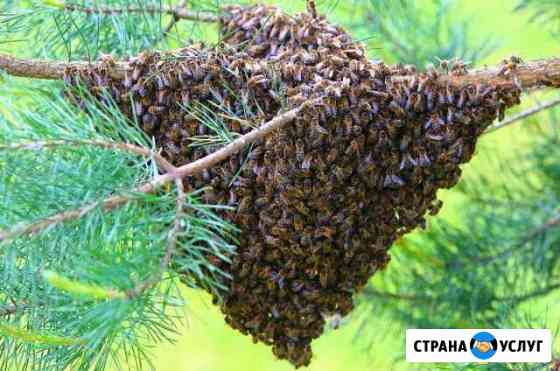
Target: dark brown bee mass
[{"x": 320, "y": 202}]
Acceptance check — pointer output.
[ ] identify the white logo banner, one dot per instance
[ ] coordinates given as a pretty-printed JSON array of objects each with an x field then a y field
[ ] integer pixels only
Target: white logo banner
[{"x": 478, "y": 345}]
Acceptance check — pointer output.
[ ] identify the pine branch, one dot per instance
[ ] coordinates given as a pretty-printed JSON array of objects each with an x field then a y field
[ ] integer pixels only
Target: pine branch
[
  {"x": 181, "y": 172},
  {"x": 551, "y": 223},
  {"x": 530, "y": 75},
  {"x": 370, "y": 291},
  {"x": 525, "y": 114},
  {"x": 81, "y": 289},
  {"x": 49, "y": 70},
  {"x": 182, "y": 4},
  {"x": 37, "y": 338},
  {"x": 178, "y": 12},
  {"x": 532, "y": 295},
  {"x": 171, "y": 244},
  {"x": 126, "y": 147}
]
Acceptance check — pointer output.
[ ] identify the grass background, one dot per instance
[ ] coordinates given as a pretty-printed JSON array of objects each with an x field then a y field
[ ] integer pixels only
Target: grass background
[{"x": 208, "y": 344}]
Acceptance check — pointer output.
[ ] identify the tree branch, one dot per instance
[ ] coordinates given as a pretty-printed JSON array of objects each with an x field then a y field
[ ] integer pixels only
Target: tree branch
[
  {"x": 523, "y": 115},
  {"x": 532, "y": 234},
  {"x": 531, "y": 75},
  {"x": 192, "y": 168},
  {"x": 532, "y": 295},
  {"x": 182, "y": 4},
  {"x": 126, "y": 147},
  {"x": 370, "y": 291},
  {"x": 171, "y": 245},
  {"x": 50, "y": 70},
  {"x": 178, "y": 12}
]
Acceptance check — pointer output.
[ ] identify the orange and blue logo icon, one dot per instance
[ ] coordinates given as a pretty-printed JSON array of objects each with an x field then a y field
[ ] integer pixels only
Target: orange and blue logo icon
[{"x": 483, "y": 345}]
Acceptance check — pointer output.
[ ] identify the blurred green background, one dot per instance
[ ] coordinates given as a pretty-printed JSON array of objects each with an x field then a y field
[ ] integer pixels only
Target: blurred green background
[{"x": 208, "y": 344}]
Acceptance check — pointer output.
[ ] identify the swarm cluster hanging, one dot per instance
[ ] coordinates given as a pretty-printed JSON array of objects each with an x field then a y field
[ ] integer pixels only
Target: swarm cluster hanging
[{"x": 320, "y": 202}]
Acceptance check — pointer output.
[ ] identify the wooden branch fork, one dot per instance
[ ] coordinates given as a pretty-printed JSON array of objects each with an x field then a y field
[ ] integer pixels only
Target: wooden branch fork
[{"x": 171, "y": 175}]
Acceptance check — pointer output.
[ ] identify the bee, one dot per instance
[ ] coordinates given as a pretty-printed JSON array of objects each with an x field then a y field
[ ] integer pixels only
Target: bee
[
  {"x": 163, "y": 97},
  {"x": 434, "y": 121},
  {"x": 444, "y": 65},
  {"x": 431, "y": 72},
  {"x": 501, "y": 111},
  {"x": 410, "y": 69},
  {"x": 149, "y": 122},
  {"x": 424, "y": 160},
  {"x": 509, "y": 66},
  {"x": 245, "y": 205},
  {"x": 397, "y": 109},
  {"x": 450, "y": 115},
  {"x": 157, "y": 110},
  {"x": 449, "y": 94},
  {"x": 459, "y": 68},
  {"x": 337, "y": 61},
  {"x": 429, "y": 93},
  {"x": 393, "y": 181},
  {"x": 136, "y": 73},
  {"x": 462, "y": 99},
  {"x": 379, "y": 94}
]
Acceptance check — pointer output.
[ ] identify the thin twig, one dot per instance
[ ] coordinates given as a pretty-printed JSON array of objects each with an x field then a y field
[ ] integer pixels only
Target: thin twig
[
  {"x": 176, "y": 12},
  {"x": 159, "y": 181},
  {"x": 532, "y": 234},
  {"x": 182, "y": 4},
  {"x": 523, "y": 115},
  {"x": 126, "y": 147},
  {"x": 389, "y": 295},
  {"x": 532, "y": 295}
]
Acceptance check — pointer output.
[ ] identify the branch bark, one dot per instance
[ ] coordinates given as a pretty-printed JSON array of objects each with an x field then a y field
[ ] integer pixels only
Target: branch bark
[
  {"x": 50, "y": 70},
  {"x": 530, "y": 75},
  {"x": 178, "y": 12}
]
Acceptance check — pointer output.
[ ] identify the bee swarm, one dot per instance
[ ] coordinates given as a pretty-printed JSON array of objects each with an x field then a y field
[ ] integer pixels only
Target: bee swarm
[{"x": 320, "y": 202}]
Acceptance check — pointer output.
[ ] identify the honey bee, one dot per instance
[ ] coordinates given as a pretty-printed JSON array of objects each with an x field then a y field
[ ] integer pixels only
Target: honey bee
[
  {"x": 156, "y": 110},
  {"x": 431, "y": 72},
  {"x": 444, "y": 65},
  {"x": 393, "y": 181},
  {"x": 257, "y": 80},
  {"x": 509, "y": 66},
  {"x": 462, "y": 99},
  {"x": 459, "y": 68},
  {"x": 434, "y": 121},
  {"x": 397, "y": 109}
]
